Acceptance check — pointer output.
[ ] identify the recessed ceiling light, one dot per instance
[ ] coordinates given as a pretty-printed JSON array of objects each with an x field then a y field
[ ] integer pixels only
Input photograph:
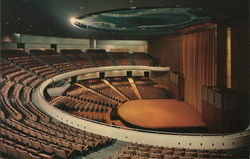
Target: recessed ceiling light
[
  {"x": 18, "y": 18},
  {"x": 132, "y": 7},
  {"x": 131, "y": 1},
  {"x": 72, "y": 20},
  {"x": 81, "y": 7}
]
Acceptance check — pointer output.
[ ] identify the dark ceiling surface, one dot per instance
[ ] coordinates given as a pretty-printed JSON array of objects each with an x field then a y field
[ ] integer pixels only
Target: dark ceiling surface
[
  {"x": 52, "y": 17},
  {"x": 144, "y": 21}
]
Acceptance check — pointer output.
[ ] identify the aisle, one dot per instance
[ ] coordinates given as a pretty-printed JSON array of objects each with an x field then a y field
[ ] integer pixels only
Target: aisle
[
  {"x": 132, "y": 83},
  {"x": 107, "y": 152}
]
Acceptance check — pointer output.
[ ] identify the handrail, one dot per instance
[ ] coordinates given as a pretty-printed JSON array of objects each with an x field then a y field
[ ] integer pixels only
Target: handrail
[
  {"x": 229, "y": 138},
  {"x": 158, "y": 132}
]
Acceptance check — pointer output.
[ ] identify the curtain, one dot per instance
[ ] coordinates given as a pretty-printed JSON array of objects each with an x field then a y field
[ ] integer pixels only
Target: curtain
[{"x": 198, "y": 61}]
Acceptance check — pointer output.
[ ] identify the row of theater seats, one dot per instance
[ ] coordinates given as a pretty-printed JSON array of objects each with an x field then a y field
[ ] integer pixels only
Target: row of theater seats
[
  {"x": 86, "y": 94},
  {"x": 28, "y": 62},
  {"x": 68, "y": 103},
  {"x": 78, "y": 59},
  {"x": 140, "y": 151},
  {"x": 68, "y": 60},
  {"x": 54, "y": 59},
  {"x": 124, "y": 86},
  {"x": 100, "y": 117},
  {"x": 21, "y": 123},
  {"x": 101, "y": 59},
  {"x": 44, "y": 141},
  {"x": 99, "y": 86},
  {"x": 96, "y": 96},
  {"x": 26, "y": 132}
]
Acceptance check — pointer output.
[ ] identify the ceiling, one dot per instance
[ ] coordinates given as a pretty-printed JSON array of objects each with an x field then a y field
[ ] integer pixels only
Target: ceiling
[
  {"x": 142, "y": 22},
  {"x": 53, "y": 17}
]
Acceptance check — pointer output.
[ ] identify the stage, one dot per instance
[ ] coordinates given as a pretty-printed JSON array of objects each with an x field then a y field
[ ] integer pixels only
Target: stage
[{"x": 160, "y": 114}]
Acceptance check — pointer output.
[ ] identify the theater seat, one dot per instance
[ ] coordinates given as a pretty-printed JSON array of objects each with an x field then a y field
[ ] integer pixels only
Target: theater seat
[
  {"x": 22, "y": 154},
  {"x": 2, "y": 148},
  {"x": 31, "y": 156},
  {"x": 47, "y": 148},
  {"x": 122, "y": 156},
  {"x": 156, "y": 155},
  {"x": 170, "y": 157},
  {"x": 61, "y": 153},
  {"x": 11, "y": 150}
]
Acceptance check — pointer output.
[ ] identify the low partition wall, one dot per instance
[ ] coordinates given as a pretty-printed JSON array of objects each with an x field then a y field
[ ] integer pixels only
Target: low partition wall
[{"x": 196, "y": 141}]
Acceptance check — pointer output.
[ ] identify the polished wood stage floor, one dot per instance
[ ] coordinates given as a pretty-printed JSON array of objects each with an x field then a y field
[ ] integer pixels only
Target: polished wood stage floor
[{"x": 160, "y": 114}]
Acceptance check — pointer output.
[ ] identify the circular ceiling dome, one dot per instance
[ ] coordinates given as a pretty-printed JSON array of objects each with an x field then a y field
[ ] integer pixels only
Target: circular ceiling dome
[
  {"x": 159, "y": 114},
  {"x": 143, "y": 21}
]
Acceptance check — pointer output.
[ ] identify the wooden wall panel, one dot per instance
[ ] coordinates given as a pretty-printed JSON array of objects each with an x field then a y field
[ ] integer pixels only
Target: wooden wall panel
[{"x": 167, "y": 51}]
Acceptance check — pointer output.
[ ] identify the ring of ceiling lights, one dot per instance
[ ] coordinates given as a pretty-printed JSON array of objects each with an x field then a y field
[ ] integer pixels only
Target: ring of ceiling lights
[
  {"x": 144, "y": 21},
  {"x": 182, "y": 140}
]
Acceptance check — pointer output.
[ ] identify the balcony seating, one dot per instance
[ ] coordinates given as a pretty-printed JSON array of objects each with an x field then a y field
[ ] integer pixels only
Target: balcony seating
[
  {"x": 27, "y": 132},
  {"x": 24, "y": 132},
  {"x": 77, "y": 57},
  {"x": 124, "y": 86},
  {"x": 102, "y": 88},
  {"x": 142, "y": 58},
  {"x": 54, "y": 59},
  {"x": 134, "y": 150},
  {"x": 121, "y": 58},
  {"x": 101, "y": 58}
]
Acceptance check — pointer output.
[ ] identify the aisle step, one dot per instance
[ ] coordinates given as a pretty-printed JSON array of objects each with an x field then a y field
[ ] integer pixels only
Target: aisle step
[
  {"x": 106, "y": 152},
  {"x": 135, "y": 89}
]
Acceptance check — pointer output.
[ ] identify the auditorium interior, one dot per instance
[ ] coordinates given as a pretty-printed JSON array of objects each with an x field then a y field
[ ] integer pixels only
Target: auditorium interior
[{"x": 124, "y": 79}]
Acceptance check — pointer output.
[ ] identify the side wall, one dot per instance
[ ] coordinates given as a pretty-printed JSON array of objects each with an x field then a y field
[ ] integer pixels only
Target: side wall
[
  {"x": 43, "y": 42},
  {"x": 130, "y": 45},
  {"x": 167, "y": 51},
  {"x": 240, "y": 58},
  {"x": 240, "y": 66}
]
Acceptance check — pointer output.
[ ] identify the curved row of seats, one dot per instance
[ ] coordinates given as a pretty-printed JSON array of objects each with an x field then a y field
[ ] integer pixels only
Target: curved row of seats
[
  {"x": 95, "y": 96},
  {"x": 26, "y": 132},
  {"x": 21, "y": 73},
  {"x": 124, "y": 86},
  {"x": 19, "y": 123},
  {"x": 68, "y": 103},
  {"x": 88, "y": 95},
  {"x": 139, "y": 151},
  {"x": 99, "y": 86}
]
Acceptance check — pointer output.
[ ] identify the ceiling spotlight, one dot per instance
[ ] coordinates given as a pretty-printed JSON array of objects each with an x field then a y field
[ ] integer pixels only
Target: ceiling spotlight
[
  {"x": 75, "y": 22},
  {"x": 132, "y": 7},
  {"x": 72, "y": 20}
]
